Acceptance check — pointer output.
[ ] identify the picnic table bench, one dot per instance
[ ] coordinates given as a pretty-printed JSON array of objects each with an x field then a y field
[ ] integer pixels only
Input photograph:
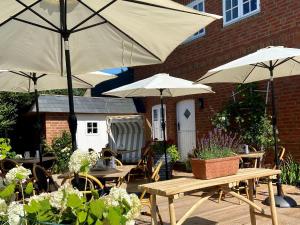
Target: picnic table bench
[{"x": 176, "y": 188}]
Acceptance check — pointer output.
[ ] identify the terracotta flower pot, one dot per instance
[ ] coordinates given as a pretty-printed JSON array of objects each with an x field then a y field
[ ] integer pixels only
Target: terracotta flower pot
[{"x": 213, "y": 168}]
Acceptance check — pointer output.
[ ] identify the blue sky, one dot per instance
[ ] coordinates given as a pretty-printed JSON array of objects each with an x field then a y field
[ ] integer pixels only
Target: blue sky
[{"x": 115, "y": 70}]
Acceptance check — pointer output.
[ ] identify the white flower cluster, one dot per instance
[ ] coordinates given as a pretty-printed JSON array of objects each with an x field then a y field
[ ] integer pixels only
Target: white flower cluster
[
  {"x": 15, "y": 213},
  {"x": 82, "y": 161},
  {"x": 118, "y": 196},
  {"x": 17, "y": 174},
  {"x": 57, "y": 199},
  {"x": 3, "y": 207}
]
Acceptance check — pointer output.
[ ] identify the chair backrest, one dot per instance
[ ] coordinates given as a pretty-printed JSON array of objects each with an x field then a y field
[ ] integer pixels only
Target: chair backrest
[
  {"x": 154, "y": 178},
  {"x": 7, "y": 164},
  {"x": 43, "y": 179},
  {"x": 48, "y": 165},
  {"x": 280, "y": 155},
  {"x": 93, "y": 182}
]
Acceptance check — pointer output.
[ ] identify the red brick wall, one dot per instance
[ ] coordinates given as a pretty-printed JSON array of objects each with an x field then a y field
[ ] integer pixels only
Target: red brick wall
[
  {"x": 278, "y": 23},
  {"x": 55, "y": 124}
]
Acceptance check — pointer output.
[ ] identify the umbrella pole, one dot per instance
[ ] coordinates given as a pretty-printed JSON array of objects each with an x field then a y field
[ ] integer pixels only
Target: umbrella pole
[
  {"x": 163, "y": 126},
  {"x": 281, "y": 200},
  {"x": 38, "y": 118},
  {"x": 72, "y": 120}
]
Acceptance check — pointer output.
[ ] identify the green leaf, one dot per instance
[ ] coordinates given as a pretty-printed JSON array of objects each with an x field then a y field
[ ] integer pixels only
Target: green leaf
[
  {"x": 98, "y": 222},
  {"x": 8, "y": 191},
  {"x": 114, "y": 216},
  {"x": 97, "y": 208},
  {"x": 95, "y": 194},
  {"x": 29, "y": 188},
  {"x": 90, "y": 220},
  {"x": 81, "y": 216},
  {"x": 73, "y": 201}
]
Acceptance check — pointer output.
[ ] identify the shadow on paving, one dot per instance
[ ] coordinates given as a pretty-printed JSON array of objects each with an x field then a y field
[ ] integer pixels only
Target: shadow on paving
[{"x": 190, "y": 221}]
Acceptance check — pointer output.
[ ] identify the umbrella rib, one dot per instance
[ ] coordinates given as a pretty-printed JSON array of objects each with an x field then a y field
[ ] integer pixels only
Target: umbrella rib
[
  {"x": 83, "y": 81},
  {"x": 203, "y": 78},
  {"x": 283, "y": 61},
  {"x": 35, "y": 24},
  {"x": 249, "y": 73},
  {"x": 37, "y": 14},
  {"x": 87, "y": 27},
  {"x": 91, "y": 16},
  {"x": 127, "y": 35},
  {"x": 295, "y": 60},
  {"x": 19, "y": 13},
  {"x": 41, "y": 76},
  {"x": 163, "y": 7},
  {"x": 21, "y": 74}
]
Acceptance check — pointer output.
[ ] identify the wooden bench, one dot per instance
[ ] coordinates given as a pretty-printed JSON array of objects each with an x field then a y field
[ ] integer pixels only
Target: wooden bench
[{"x": 176, "y": 188}]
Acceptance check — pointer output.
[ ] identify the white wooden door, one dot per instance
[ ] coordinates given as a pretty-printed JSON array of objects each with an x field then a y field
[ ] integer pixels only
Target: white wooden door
[
  {"x": 156, "y": 122},
  {"x": 186, "y": 127}
]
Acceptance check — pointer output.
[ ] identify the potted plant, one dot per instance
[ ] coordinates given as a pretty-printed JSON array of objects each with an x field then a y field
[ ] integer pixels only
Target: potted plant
[
  {"x": 215, "y": 155},
  {"x": 159, "y": 155}
]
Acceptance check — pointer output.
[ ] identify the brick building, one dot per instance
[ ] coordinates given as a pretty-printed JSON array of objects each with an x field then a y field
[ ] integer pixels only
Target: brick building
[{"x": 247, "y": 25}]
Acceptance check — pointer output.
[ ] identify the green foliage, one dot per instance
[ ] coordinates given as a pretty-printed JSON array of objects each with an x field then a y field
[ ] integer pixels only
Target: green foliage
[
  {"x": 61, "y": 146},
  {"x": 8, "y": 191},
  {"x": 172, "y": 150},
  {"x": 217, "y": 144},
  {"x": 290, "y": 171},
  {"x": 247, "y": 116},
  {"x": 76, "y": 92},
  {"x": 4, "y": 147}
]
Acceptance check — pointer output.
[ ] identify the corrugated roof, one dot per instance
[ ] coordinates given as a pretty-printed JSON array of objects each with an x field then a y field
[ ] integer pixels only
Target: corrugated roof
[{"x": 103, "y": 105}]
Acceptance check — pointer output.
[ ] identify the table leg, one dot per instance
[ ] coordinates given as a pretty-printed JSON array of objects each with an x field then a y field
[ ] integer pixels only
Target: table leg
[
  {"x": 251, "y": 189},
  {"x": 153, "y": 210},
  {"x": 272, "y": 202},
  {"x": 172, "y": 211}
]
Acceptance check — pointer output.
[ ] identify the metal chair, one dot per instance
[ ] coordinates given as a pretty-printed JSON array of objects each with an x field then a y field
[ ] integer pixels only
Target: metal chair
[{"x": 7, "y": 164}]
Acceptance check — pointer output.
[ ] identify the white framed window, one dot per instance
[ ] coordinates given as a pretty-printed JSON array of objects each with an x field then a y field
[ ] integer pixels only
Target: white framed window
[
  {"x": 156, "y": 122},
  {"x": 197, "y": 5},
  {"x": 235, "y": 10},
  {"x": 92, "y": 127}
]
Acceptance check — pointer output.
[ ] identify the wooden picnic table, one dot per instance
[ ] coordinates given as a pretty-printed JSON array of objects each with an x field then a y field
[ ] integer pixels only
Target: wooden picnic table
[
  {"x": 176, "y": 188},
  {"x": 118, "y": 173},
  {"x": 256, "y": 156}
]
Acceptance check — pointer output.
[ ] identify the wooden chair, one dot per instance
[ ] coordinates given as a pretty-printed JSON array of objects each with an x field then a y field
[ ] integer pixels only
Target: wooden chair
[
  {"x": 80, "y": 183},
  {"x": 48, "y": 165},
  {"x": 7, "y": 164},
  {"x": 281, "y": 159},
  {"x": 43, "y": 180},
  {"x": 145, "y": 197},
  {"x": 141, "y": 167}
]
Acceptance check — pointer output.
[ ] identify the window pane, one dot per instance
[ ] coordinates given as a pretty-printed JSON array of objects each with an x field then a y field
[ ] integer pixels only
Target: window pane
[
  {"x": 235, "y": 13},
  {"x": 253, "y": 5},
  {"x": 234, "y": 3},
  {"x": 95, "y": 130},
  {"x": 228, "y": 4},
  {"x": 228, "y": 15},
  {"x": 155, "y": 115},
  {"x": 195, "y": 7},
  {"x": 246, "y": 8},
  {"x": 89, "y": 130},
  {"x": 95, "y": 125},
  {"x": 200, "y": 6},
  {"x": 89, "y": 124}
]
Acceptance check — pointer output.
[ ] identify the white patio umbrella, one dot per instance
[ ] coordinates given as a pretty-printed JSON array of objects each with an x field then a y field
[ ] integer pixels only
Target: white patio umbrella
[
  {"x": 162, "y": 85},
  {"x": 16, "y": 81},
  {"x": 267, "y": 63},
  {"x": 101, "y": 34}
]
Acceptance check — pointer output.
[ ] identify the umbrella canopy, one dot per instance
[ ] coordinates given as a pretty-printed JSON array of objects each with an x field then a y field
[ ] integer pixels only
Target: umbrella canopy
[
  {"x": 99, "y": 34},
  {"x": 102, "y": 34},
  {"x": 267, "y": 63},
  {"x": 254, "y": 67},
  {"x": 162, "y": 85},
  {"x": 171, "y": 86},
  {"x": 15, "y": 81}
]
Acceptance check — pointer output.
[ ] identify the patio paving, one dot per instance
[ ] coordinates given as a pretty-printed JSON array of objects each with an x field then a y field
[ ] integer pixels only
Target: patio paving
[{"x": 228, "y": 211}]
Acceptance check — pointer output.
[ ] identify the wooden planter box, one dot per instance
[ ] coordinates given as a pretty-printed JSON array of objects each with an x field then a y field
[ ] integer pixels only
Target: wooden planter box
[{"x": 213, "y": 168}]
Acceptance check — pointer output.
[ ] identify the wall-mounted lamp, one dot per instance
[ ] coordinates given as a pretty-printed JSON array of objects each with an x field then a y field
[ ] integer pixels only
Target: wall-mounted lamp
[{"x": 201, "y": 103}]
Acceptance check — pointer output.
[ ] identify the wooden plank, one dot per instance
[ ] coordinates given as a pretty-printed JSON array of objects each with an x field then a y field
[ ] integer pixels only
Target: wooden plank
[
  {"x": 181, "y": 185},
  {"x": 153, "y": 210},
  {"x": 272, "y": 202},
  {"x": 251, "y": 198},
  {"x": 252, "y": 155},
  {"x": 172, "y": 211}
]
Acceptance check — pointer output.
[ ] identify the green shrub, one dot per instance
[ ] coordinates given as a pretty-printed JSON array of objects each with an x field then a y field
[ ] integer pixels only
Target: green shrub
[
  {"x": 61, "y": 147},
  {"x": 5, "y": 148},
  {"x": 172, "y": 150},
  {"x": 290, "y": 171}
]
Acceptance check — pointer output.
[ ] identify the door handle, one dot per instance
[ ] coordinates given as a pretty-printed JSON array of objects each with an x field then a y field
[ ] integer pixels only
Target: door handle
[{"x": 178, "y": 126}]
